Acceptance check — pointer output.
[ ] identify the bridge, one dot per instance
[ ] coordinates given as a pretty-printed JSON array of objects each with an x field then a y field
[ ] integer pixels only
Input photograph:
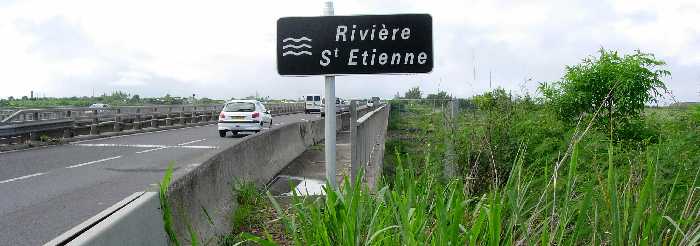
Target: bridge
[{"x": 106, "y": 159}]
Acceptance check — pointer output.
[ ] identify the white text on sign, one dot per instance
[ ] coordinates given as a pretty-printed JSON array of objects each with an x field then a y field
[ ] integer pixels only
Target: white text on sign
[{"x": 373, "y": 58}]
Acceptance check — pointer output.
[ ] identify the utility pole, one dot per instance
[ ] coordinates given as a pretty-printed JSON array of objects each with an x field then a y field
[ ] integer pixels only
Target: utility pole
[{"x": 329, "y": 129}]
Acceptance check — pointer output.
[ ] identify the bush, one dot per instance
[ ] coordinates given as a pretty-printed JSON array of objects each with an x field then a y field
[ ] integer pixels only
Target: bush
[{"x": 614, "y": 87}]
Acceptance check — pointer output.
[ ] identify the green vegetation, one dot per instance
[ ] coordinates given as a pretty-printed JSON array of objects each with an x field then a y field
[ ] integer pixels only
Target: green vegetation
[
  {"x": 529, "y": 172},
  {"x": 165, "y": 208},
  {"x": 621, "y": 85},
  {"x": 115, "y": 99},
  {"x": 413, "y": 93}
]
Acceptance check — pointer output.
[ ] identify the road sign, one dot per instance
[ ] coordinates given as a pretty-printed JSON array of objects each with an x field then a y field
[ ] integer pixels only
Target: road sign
[{"x": 363, "y": 44}]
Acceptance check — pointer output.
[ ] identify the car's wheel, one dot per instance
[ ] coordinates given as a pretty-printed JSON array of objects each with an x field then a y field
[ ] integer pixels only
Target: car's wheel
[{"x": 222, "y": 133}]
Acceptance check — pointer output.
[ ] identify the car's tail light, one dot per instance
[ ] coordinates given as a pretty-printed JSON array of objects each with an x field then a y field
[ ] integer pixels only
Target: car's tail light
[
  {"x": 221, "y": 115},
  {"x": 256, "y": 114}
]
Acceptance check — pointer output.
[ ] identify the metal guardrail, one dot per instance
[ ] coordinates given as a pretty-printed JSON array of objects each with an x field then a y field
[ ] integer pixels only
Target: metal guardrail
[
  {"x": 368, "y": 133},
  {"x": 4, "y": 113},
  {"x": 33, "y": 121},
  {"x": 78, "y": 113}
]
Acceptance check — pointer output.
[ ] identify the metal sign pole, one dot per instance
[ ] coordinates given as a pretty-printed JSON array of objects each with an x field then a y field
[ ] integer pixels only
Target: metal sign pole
[{"x": 330, "y": 118}]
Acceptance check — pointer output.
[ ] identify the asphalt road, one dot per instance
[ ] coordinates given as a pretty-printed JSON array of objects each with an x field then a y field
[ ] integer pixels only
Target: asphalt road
[{"x": 46, "y": 191}]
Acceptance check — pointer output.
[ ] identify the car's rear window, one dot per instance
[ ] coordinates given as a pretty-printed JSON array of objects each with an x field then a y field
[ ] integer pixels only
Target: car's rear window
[{"x": 239, "y": 107}]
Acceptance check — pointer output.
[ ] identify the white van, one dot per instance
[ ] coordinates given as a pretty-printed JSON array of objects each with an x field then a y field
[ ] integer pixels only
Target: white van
[{"x": 313, "y": 103}]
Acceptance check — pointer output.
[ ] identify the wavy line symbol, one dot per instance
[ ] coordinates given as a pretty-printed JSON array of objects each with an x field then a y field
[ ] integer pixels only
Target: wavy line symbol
[
  {"x": 296, "y": 53},
  {"x": 296, "y": 40},
  {"x": 296, "y": 49},
  {"x": 296, "y": 46}
]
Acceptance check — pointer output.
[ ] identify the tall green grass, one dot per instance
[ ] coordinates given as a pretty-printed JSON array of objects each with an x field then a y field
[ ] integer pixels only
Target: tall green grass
[
  {"x": 626, "y": 201},
  {"x": 422, "y": 209}
]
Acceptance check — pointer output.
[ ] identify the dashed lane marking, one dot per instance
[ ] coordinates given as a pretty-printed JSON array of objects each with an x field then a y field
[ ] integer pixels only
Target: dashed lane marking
[
  {"x": 141, "y": 133},
  {"x": 93, "y": 162},
  {"x": 21, "y": 178},
  {"x": 191, "y": 142},
  {"x": 149, "y": 150},
  {"x": 150, "y": 146}
]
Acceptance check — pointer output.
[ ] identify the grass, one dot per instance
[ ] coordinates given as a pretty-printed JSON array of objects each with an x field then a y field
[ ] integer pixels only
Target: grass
[
  {"x": 523, "y": 181},
  {"x": 165, "y": 208},
  {"x": 622, "y": 196}
]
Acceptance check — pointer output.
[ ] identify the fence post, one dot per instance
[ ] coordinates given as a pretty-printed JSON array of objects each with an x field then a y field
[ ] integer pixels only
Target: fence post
[
  {"x": 450, "y": 170},
  {"x": 354, "y": 166}
]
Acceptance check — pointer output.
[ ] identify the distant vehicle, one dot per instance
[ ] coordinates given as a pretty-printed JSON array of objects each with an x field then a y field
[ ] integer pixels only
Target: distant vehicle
[
  {"x": 370, "y": 103},
  {"x": 338, "y": 106},
  {"x": 312, "y": 104},
  {"x": 243, "y": 116},
  {"x": 99, "y": 105}
]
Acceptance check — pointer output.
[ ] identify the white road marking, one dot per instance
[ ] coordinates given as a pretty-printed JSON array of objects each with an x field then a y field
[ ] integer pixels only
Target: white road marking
[
  {"x": 196, "y": 147},
  {"x": 150, "y": 146},
  {"x": 93, "y": 162},
  {"x": 141, "y": 133},
  {"x": 149, "y": 150},
  {"x": 21, "y": 178},
  {"x": 190, "y": 142},
  {"x": 121, "y": 145}
]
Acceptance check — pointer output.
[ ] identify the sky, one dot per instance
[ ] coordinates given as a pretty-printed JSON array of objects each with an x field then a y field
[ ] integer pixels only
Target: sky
[{"x": 224, "y": 49}]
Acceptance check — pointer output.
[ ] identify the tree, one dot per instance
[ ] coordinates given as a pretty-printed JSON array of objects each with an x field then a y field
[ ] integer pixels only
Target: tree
[
  {"x": 619, "y": 85},
  {"x": 442, "y": 95},
  {"x": 440, "y": 98},
  {"x": 413, "y": 93},
  {"x": 135, "y": 99}
]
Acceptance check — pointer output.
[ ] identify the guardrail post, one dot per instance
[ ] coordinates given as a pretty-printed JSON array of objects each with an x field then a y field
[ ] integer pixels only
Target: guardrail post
[
  {"x": 354, "y": 166},
  {"x": 117, "y": 121},
  {"x": 182, "y": 116},
  {"x": 154, "y": 120},
  {"x": 137, "y": 119},
  {"x": 93, "y": 126},
  {"x": 168, "y": 120}
]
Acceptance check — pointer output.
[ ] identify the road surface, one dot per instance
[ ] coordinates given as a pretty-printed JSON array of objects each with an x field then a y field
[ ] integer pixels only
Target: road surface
[{"x": 46, "y": 191}]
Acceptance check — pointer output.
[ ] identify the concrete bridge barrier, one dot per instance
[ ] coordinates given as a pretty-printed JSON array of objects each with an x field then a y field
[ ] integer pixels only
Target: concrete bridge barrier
[{"x": 206, "y": 185}]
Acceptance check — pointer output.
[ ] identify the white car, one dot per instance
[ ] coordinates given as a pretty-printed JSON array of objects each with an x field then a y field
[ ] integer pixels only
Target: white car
[{"x": 243, "y": 116}]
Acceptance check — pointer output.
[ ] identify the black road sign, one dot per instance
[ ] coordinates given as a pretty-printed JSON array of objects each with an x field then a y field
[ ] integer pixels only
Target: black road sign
[{"x": 363, "y": 44}]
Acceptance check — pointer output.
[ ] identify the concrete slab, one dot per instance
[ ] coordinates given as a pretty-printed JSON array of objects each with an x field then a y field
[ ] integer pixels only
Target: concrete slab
[{"x": 310, "y": 167}]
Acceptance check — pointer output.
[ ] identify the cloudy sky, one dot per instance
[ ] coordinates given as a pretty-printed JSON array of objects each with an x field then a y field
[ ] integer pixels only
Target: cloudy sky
[{"x": 223, "y": 49}]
